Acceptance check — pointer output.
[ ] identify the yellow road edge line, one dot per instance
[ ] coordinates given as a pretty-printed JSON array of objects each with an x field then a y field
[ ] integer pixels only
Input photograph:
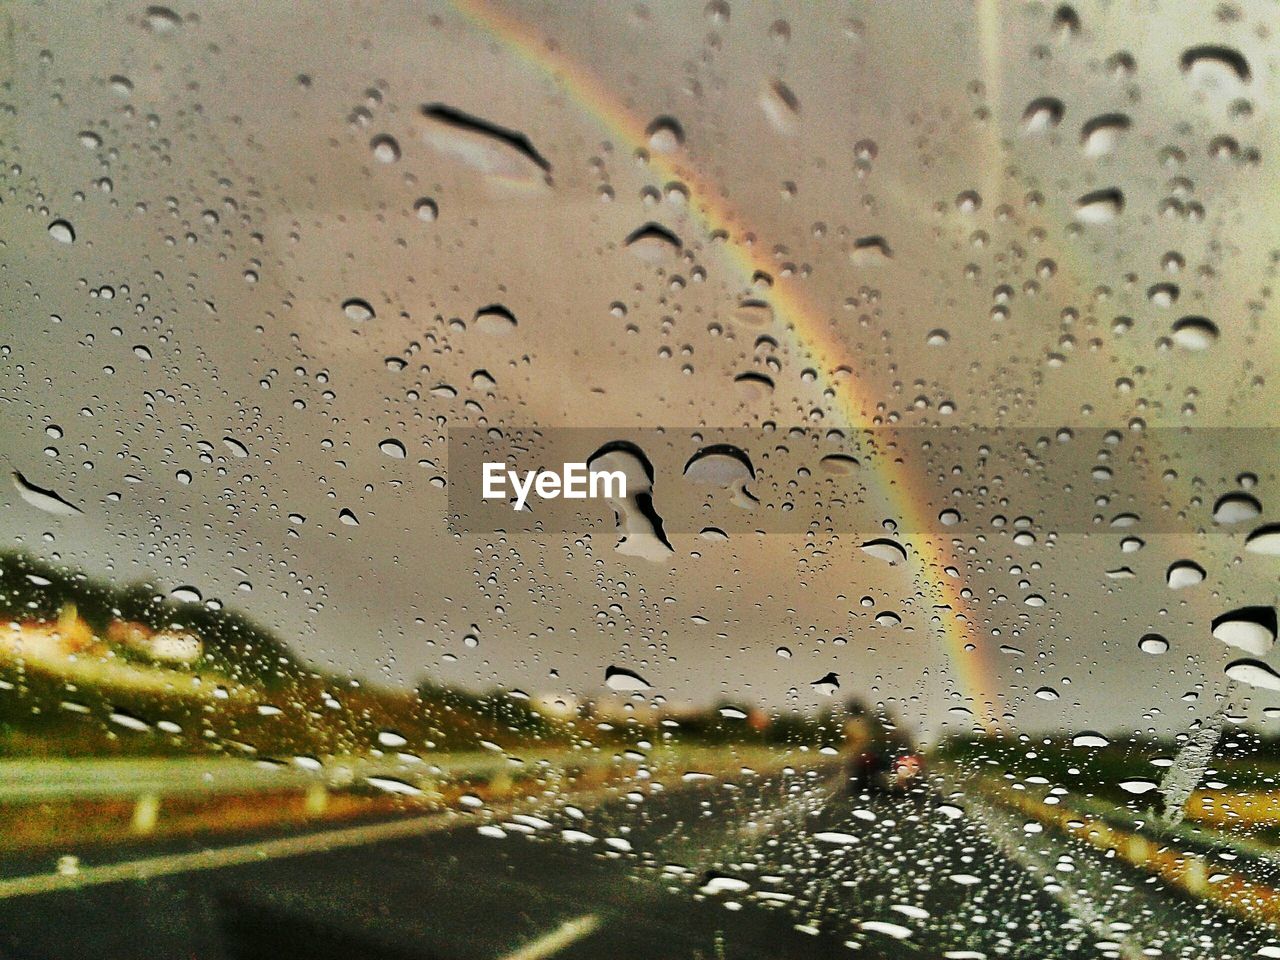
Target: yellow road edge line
[{"x": 562, "y": 936}]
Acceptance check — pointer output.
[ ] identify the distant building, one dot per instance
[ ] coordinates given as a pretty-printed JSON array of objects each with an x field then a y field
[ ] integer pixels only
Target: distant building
[
  {"x": 164, "y": 646},
  {"x": 67, "y": 636},
  {"x": 70, "y": 637}
]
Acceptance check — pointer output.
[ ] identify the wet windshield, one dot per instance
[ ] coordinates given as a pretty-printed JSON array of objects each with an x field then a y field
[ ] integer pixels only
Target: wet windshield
[{"x": 736, "y": 479}]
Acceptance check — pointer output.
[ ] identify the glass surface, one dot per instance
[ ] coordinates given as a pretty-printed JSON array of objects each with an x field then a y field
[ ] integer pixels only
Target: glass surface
[{"x": 933, "y": 345}]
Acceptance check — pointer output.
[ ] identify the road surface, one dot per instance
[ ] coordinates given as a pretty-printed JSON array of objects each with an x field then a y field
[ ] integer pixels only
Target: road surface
[{"x": 767, "y": 867}]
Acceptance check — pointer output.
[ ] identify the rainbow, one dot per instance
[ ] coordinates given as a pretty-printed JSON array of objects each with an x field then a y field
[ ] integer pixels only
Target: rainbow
[{"x": 810, "y": 326}]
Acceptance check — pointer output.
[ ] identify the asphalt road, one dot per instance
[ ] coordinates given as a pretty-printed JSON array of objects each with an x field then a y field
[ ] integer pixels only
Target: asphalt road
[{"x": 766, "y": 868}]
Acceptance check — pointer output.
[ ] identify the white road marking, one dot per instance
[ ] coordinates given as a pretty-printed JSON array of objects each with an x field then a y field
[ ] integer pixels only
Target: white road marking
[
  {"x": 214, "y": 859},
  {"x": 261, "y": 851},
  {"x": 562, "y": 936},
  {"x": 254, "y": 852}
]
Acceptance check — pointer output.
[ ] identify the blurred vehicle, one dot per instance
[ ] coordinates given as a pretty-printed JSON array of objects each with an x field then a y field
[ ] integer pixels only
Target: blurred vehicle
[
  {"x": 877, "y": 756},
  {"x": 877, "y": 769},
  {"x": 906, "y": 771}
]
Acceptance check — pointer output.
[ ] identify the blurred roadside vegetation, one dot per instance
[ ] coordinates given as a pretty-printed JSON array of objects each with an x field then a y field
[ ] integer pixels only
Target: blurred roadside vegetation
[
  {"x": 249, "y": 695},
  {"x": 1243, "y": 759}
]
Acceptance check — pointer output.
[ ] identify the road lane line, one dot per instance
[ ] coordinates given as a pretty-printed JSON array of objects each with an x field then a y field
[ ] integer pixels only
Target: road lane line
[
  {"x": 261, "y": 851},
  {"x": 257, "y": 852},
  {"x": 549, "y": 944},
  {"x": 167, "y": 864}
]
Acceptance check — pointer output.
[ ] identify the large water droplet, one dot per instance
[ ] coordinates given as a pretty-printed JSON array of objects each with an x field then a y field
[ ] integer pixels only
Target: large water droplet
[
  {"x": 1153, "y": 644},
  {"x": 895, "y": 930},
  {"x": 391, "y": 739},
  {"x": 1184, "y": 573},
  {"x": 890, "y": 551},
  {"x": 827, "y": 685},
  {"x": 393, "y": 785},
  {"x": 1236, "y": 507},
  {"x": 1100, "y": 206},
  {"x": 426, "y": 209},
  {"x": 238, "y": 449},
  {"x": 1138, "y": 787},
  {"x": 753, "y": 386},
  {"x": 62, "y": 231},
  {"x": 838, "y": 464},
  {"x": 1253, "y": 672},
  {"x": 495, "y": 319},
  {"x": 1194, "y": 333},
  {"x": 1251, "y": 629},
  {"x": 1100, "y": 135},
  {"x": 720, "y": 883},
  {"x": 1265, "y": 540},
  {"x": 622, "y": 679},
  {"x": 1043, "y": 113},
  {"x": 42, "y": 499},
  {"x": 1215, "y": 65},
  {"x": 385, "y": 148},
  {"x": 1090, "y": 739},
  {"x": 653, "y": 243},
  {"x": 753, "y": 313},
  {"x": 665, "y": 135},
  {"x": 781, "y": 107},
  {"x": 161, "y": 20},
  {"x": 496, "y": 151},
  {"x": 870, "y": 252},
  {"x": 719, "y": 465},
  {"x": 357, "y": 310}
]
